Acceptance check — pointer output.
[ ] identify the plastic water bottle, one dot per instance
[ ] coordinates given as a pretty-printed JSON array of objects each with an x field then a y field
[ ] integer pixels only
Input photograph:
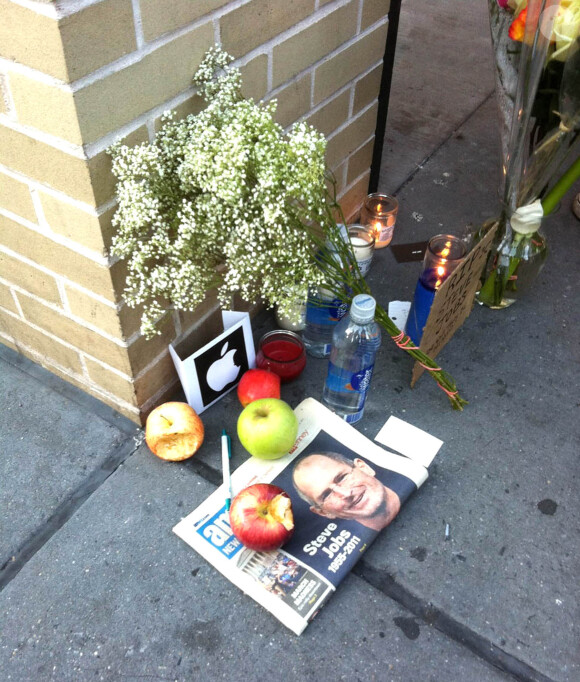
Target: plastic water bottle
[
  {"x": 323, "y": 312},
  {"x": 355, "y": 342}
]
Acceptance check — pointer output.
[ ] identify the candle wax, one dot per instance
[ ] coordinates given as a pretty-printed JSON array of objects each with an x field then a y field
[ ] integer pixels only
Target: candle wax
[
  {"x": 425, "y": 291},
  {"x": 284, "y": 358}
]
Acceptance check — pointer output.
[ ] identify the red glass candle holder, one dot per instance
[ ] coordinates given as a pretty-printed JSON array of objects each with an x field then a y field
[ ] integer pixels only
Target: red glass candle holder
[{"x": 283, "y": 353}]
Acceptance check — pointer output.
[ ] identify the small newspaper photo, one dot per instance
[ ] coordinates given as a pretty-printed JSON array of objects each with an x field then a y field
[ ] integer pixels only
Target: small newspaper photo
[{"x": 344, "y": 490}]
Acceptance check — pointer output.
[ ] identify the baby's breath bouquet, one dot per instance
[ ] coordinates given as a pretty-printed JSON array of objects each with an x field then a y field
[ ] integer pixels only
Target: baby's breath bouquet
[{"x": 224, "y": 199}]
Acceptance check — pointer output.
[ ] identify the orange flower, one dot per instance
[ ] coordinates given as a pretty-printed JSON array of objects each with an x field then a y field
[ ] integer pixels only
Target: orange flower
[{"x": 518, "y": 26}]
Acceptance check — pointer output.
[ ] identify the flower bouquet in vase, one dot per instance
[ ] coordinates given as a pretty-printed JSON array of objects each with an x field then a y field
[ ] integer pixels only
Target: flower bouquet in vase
[{"x": 537, "y": 50}]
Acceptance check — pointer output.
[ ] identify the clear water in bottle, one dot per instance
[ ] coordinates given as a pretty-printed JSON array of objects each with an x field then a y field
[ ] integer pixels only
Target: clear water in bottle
[
  {"x": 355, "y": 342},
  {"x": 323, "y": 312}
]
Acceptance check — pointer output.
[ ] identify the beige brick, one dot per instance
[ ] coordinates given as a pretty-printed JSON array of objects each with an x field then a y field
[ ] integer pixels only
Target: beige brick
[
  {"x": 258, "y": 21},
  {"x": 73, "y": 223},
  {"x": 192, "y": 105},
  {"x": 3, "y": 94},
  {"x": 15, "y": 197},
  {"x": 164, "y": 396},
  {"x": 97, "y": 35},
  {"x": 6, "y": 298},
  {"x": 332, "y": 115},
  {"x": 57, "y": 258},
  {"x": 25, "y": 335},
  {"x": 74, "y": 333},
  {"x": 142, "y": 352},
  {"x": 314, "y": 42},
  {"x": 97, "y": 313},
  {"x": 7, "y": 342},
  {"x": 107, "y": 229},
  {"x": 29, "y": 278},
  {"x": 131, "y": 413},
  {"x": 32, "y": 39},
  {"x": 255, "y": 78},
  {"x": 367, "y": 89},
  {"x": 352, "y": 200},
  {"x": 103, "y": 180},
  {"x": 45, "y": 108},
  {"x": 293, "y": 101},
  {"x": 161, "y": 374},
  {"x": 111, "y": 382},
  {"x": 162, "y": 16},
  {"x": 121, "y": 323},
  {"x": 374, "y": 10},
  {"x": 46, "y": 164},
  {"x": 119, "y": 98},
  {"x": 349, "y": 63},
  {"x": 360, "y": 161},
  {"x": 343, "y": 144}
]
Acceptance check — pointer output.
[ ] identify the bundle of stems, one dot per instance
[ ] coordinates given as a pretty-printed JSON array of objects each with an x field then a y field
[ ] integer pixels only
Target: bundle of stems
[{"x": 343, "y": 278}]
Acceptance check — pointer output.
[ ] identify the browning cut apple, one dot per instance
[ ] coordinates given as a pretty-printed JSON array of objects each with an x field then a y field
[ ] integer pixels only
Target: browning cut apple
[
  {"x": 174, "y": 431},
  {"x": 261, "y": 517}
]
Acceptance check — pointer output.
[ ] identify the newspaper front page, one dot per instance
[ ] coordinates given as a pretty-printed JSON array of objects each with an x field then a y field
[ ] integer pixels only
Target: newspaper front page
[{"x": 339, "y": 508}]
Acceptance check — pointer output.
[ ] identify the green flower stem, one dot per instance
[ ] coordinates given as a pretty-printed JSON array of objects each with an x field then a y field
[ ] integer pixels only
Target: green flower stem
[
  {"x": 555, "y": 195},
  {"x": 345, "y": 281}
]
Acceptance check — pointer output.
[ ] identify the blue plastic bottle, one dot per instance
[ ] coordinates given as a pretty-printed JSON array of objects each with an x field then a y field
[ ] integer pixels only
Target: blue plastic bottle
[{"x": 355, "y": 342}]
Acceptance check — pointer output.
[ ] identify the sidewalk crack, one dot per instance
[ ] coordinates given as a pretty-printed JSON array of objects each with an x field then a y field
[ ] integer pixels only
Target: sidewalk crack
[{"x": 449, "y": 626}]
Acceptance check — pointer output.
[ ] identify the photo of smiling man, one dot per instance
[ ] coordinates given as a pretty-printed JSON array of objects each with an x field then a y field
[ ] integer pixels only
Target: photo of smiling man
[{"x": 341, "y": 488}]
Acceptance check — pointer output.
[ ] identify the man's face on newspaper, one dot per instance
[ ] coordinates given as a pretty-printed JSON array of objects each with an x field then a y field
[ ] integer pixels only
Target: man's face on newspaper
[{"x": 339, "y": 490}]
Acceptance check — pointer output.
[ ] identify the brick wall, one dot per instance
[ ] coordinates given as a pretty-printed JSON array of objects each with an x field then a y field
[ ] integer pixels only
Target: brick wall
[{"x": 77, "y": 74}]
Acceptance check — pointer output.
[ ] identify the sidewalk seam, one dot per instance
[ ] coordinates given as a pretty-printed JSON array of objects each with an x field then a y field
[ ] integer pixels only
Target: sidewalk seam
[
  {"x": 480, "y": 646},
  {"x": 65, "y": 510}
]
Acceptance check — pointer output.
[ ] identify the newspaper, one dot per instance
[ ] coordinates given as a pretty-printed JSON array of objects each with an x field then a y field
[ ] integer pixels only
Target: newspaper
[{"x": 344, "y": 505}]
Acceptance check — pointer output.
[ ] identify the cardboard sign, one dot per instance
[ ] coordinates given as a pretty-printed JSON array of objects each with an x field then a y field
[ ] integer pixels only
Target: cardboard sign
[
  {"x": 217, "y": 367},
  {"x": 453, "y": 302}
]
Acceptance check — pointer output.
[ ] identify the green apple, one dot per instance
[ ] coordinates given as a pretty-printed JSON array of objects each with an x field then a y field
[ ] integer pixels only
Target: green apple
[{"x": 267, "y": 428}]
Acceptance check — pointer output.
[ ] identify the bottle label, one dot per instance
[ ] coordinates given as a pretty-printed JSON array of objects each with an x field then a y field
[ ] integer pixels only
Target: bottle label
[
  {"x": 320, "y": 311},
  {"x": 358, "y": 382}
]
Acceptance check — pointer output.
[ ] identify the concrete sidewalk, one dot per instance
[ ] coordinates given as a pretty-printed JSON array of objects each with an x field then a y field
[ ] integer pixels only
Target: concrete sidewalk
[{"x": 95, "y": 586}]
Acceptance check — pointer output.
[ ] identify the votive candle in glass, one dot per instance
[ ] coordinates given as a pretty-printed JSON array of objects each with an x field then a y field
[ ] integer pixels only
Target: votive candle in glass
[
  {"x": 380, "y": 212},
  {"x": 363, "y": 244},
  {"x": 444, "y": 253},
  {"x": 283, "y": 353}
]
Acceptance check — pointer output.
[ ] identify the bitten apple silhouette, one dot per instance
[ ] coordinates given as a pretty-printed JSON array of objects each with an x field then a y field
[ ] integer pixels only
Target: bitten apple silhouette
[
  {"x": 174, "y": 431},
  {"x": 267, "y": 428},
  {"x": 261, "y": 517},
  {"x": 223, "y": 371}
]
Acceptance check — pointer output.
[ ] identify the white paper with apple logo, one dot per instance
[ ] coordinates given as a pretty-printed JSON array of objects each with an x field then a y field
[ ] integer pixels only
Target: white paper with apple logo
[{"x": 216, "y": 368}]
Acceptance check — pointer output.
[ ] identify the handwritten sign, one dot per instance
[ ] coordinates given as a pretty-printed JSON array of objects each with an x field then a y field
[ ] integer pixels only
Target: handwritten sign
[{"x": 453, "y": 301}]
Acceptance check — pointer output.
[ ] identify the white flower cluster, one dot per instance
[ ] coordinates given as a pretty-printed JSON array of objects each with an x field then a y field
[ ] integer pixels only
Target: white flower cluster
[{"x": 222, "y": 187}]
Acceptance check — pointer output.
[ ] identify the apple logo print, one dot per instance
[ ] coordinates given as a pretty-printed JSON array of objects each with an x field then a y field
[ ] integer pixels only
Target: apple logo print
[{"x": 223, "y": 371}]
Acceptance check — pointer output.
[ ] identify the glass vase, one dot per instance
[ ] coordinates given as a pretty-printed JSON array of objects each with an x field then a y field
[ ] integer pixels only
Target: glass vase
[{"x": 513, "y": 265}]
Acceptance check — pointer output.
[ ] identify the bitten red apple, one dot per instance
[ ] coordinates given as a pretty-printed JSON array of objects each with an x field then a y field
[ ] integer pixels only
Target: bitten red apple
[
  {"x": 174, "y": 431},
  {"x": 256, "y": 384},
  {"x": 261, "y": 517}
]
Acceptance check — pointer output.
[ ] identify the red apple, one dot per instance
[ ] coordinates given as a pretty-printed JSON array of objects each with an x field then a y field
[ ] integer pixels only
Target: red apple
[
  {"x": 261, "y": 517},
  {"x": 174, "y": 431},
  {"x": 256, "y": 384}
]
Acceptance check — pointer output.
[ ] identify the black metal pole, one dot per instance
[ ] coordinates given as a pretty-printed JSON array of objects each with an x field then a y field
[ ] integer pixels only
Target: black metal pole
[{"x": 384, "y": 93}]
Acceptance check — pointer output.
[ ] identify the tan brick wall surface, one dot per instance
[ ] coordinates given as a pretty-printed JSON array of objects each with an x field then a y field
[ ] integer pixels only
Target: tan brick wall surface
[
  {"x": 258, "y": 21},
  {"x": 76, "y": 77},
  {"x": 15, "y": 197}
]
